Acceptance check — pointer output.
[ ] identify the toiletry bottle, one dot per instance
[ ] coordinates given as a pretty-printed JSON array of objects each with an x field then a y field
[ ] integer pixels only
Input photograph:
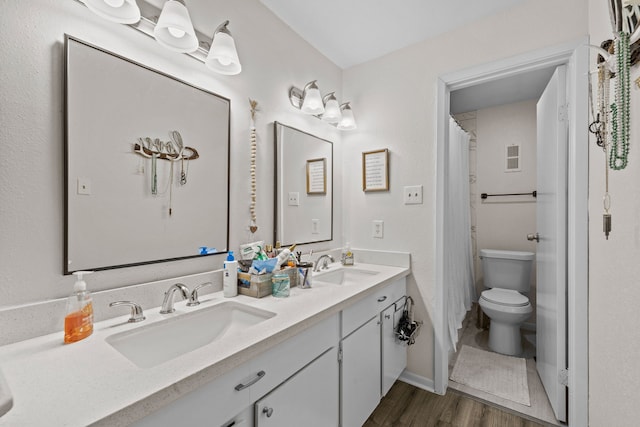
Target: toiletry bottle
[
  {"x": 230, "y": 276},
  {"x": 78, "y": 323},
  {"x": 347, "y": 256},
  {"x": 283, "y": 257}
]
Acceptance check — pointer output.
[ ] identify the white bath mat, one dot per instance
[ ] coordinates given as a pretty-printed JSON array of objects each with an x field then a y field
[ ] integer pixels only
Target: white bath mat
[{"x": 497, "y": 374}]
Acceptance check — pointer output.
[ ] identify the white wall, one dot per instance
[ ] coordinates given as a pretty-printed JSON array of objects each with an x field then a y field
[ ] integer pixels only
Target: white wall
[
  {"x": 395, "y": 96},
  {"x": 31, "y": 129},
  {"x": 503, "y": 222},
  {"x": 614, "y": 291}
]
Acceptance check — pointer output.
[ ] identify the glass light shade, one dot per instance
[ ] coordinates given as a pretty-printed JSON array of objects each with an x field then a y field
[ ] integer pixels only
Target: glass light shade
[
  {"x": 332, "y": 113},
  {"x": 312, "y": 100},
  {"x": 174, "y": 29},
  {"x": 120, "y": 11},
  {"x": 348, "y": 122},
  {"x": 223, "y": 56}
]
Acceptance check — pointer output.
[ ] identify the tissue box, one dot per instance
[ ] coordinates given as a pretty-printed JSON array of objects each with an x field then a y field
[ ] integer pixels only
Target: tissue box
[{"x": 254, "y": 285}]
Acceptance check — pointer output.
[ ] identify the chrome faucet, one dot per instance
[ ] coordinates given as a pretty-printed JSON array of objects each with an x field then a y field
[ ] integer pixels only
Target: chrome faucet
[
  {"x": 323, "y": 260},
  {"x": 193, "y": 297},
  {"x": 136, "y": 311},
  {"x": 167, "y": 304}
]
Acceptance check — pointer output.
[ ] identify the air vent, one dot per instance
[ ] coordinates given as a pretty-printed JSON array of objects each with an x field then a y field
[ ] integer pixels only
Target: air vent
[{"x": 512, "y": 158}]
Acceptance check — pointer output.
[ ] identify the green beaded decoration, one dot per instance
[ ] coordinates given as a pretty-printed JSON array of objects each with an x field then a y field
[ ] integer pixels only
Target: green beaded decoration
[{"x": 619, "y": 154}]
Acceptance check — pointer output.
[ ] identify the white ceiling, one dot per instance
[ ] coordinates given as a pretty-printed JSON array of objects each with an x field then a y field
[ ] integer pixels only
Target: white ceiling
[{"x": 350, "y": 32}]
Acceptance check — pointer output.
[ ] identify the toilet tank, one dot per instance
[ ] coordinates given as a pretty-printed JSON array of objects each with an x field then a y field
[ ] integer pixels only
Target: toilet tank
[{"x": 507, "y": 269}]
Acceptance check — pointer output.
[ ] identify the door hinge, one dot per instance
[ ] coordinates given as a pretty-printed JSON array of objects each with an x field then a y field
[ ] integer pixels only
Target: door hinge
[
  {"x": 563, "y": 113},
  {"x": 340, "y": 353},
  {"x": 563, "y": 377}
]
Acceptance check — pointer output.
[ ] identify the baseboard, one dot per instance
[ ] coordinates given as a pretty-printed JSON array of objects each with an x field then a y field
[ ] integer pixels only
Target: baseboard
[{"x": 417, "y": 380}]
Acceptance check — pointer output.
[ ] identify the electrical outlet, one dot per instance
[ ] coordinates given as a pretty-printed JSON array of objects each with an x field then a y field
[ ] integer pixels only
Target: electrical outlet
[
  {"x": 84, "y": 186},
  {"x": 294, "y": 198},
  {"x": 377, "y": 230},
  {"x": 413, "y": 195},
  {"x": 315, "y": 226}
]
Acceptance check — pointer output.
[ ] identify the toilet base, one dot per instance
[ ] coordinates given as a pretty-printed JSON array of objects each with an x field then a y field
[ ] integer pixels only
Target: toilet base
[{"x": 505, "y": 338}]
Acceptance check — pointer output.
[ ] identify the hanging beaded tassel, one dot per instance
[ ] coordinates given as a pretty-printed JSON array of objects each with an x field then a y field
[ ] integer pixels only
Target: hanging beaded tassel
[
  {"x": 619, "y": 151},
  {"x": 253, "y": 226}
]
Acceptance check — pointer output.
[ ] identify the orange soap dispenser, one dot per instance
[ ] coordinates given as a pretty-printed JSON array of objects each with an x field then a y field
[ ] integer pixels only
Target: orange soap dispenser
[{"x": 78, "y": 323}]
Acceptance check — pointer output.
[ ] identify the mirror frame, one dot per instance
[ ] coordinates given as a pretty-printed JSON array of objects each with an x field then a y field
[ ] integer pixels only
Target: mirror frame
[
  {"x": 276, "y": 185},
  {"x": 67, "y": 119}
]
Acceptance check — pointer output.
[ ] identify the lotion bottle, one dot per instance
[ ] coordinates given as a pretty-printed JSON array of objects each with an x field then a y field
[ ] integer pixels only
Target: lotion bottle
[
  {"x": 230, "y": 276},
  {"x": 78, "y": 323}
]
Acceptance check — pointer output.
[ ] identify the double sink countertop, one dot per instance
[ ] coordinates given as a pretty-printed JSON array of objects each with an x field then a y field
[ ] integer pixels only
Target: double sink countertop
[{"x": 91, "y": 383}]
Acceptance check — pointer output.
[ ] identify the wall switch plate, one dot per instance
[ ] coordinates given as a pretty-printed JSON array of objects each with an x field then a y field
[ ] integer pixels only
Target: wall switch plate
[
  {"x": 315, "y": 226},
  {"x": 377, "y": 230},
  {"x": 294, "y": 198},
  {"x": 84, "y": 186},
  {"x": 413, "y": 195}
]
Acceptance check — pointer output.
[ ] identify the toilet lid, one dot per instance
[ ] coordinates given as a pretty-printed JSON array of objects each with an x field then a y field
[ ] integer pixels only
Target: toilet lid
[{"x": 505, "y": 297}]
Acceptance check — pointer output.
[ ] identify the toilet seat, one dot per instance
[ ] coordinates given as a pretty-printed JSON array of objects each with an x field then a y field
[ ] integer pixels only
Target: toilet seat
[{"x": 505, "y": 297}]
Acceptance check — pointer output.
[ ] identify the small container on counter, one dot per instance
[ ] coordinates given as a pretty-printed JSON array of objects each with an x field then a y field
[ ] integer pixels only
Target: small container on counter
[{"x": 280, "y": 285}]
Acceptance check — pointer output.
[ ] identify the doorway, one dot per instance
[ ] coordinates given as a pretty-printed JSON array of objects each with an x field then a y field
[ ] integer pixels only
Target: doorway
[{"x": 575, "y": 56}]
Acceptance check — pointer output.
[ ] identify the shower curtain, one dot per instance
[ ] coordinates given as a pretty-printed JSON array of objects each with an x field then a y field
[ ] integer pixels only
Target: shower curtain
[{"x": 458, "y": 271}]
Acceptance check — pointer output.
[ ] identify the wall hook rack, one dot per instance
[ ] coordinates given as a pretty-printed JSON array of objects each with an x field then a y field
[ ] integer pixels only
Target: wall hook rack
[{"x": 172, "y": 150}]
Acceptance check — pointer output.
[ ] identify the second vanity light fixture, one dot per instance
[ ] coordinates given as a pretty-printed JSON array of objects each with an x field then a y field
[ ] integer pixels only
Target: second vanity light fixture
[
  {"x": 172, "y": 28},
  {"x": 310, "y": 101}
]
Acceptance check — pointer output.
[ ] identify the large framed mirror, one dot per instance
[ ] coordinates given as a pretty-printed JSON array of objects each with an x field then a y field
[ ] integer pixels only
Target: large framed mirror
[
  {"x": 304, "y": 187},
  {"x": 146, "y": 164}
]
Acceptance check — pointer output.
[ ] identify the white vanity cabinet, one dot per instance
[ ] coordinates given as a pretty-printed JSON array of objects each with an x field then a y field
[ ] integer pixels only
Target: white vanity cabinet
[
  {"x": 309, "y": 398},
  {"x": 371, "y": 357},
  {"x": 219, "y": 401}
]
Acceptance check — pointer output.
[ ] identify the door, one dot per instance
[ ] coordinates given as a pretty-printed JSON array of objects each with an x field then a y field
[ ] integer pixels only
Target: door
[
  {"x": 551, "y": 219},
  {"x": 360, "y": 379},
  {"x": 309, "y": 398},
  {"x": 394, "y": 351}
]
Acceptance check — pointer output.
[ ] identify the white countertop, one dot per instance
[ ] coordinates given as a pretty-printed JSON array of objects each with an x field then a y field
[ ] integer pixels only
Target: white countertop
[{"x": 89, "y": 382}]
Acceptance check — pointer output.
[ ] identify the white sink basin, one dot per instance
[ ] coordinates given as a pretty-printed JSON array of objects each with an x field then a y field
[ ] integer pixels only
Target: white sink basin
[
  {"x": 151, "y": 345},
  {"x": 345, "y": 276}
]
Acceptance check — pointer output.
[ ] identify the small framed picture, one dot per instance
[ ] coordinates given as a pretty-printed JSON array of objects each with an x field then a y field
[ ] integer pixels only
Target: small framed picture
[
  {"x": 375, "y": 170},
  {"x": 317, "y": 176}
]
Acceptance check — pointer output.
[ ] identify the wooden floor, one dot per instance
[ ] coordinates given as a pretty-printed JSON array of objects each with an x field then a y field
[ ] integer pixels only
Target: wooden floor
[{"x": 406, "y": 405}]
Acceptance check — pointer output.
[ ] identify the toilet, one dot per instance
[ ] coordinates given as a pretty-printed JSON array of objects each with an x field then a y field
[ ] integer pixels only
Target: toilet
[{"x": 506, "y": 275}]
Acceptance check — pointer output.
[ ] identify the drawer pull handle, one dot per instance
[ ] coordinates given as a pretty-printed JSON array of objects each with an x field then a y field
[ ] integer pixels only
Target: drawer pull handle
[
  {"x": 267, "y": 411},
  {"x": 387, "y": 316},
  {"x": 257, "y": 378},
  {"x": 381, "y": 299}
]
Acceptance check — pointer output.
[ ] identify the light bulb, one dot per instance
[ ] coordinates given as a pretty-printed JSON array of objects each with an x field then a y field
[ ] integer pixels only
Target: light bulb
[
  {"x": 176, "y": 32},
  {"x": 114, "y": 3}
]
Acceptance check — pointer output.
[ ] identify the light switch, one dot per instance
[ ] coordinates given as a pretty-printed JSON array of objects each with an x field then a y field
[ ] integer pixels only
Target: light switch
[
  {"x": 84, "y": 186},
  {"x": 413, "y": 195},
  {"x": 315, "y": 226}
]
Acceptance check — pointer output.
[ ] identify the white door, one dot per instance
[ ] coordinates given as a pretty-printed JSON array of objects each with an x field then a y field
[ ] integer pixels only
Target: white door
[
  {"x": 360, "y": 378},
  {"x": 551, "y": 212},
  {"x": 394, "y": 351},
  {"x": 309, "y": 398}
]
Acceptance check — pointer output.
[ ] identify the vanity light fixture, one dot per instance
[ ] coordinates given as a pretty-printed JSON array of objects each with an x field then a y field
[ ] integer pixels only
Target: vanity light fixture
[
  {"x": 348, "y": 122},
  {"x": 310, "y": 101},
  {"x": 174, "y": 29},
  {"x": 223, "y": 56},
  {"x": 120, "y": 11},
  {"x": 332, "y": 113}
]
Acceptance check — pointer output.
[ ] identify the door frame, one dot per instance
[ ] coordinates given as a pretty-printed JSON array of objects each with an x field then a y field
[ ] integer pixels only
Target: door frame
[{"x": 577, "y": 206}]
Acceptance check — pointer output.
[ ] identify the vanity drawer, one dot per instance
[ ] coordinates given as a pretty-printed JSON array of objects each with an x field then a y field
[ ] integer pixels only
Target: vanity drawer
[{"x": 358, "y": 314}]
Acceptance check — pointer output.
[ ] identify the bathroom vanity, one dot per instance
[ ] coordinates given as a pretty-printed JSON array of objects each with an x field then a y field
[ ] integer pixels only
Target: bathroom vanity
[{"x": 321, "y": 355}]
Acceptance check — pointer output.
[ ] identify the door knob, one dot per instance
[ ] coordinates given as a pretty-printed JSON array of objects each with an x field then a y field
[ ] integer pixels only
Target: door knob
[
  {"x": 532, "y": 237},
  {"x": 267, "y": 411}
]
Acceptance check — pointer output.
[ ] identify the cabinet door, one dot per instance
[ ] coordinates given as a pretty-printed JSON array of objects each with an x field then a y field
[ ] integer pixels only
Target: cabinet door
[
  {"x": 360, "y": 379},
  {"x": 309, "y": 398},
  {"x": 394, "y": 352}
]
